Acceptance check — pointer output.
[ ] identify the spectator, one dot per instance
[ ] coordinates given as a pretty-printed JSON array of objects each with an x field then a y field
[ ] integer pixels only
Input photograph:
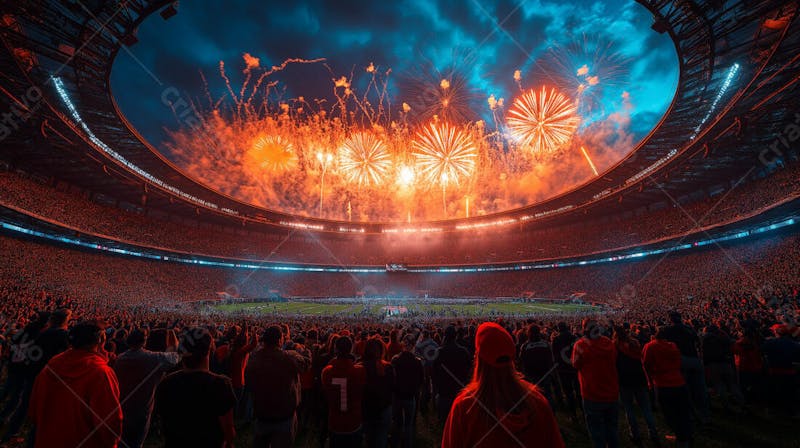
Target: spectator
[
  {"x": 536, "y": 360},
  {"x": 380, "y": 379},
  {"x": 718, "y": 359},
  {"x": 567, "y": 375},
  {"x": 54, "y": 339},
  {"x": 749, "y": 364},
  {"x": 687, "y": 340},
  {"x": 24, "y": 365},
  {"x": 394, "y": 347},
  {"x": 662, "y": 362},
  {"x": 343, "y": 382},
  {"x": 498, "y": 408},
  {"x": 450, "y": 372},
  {"x": 273, "y": 376},
  {"x": 425, "y": 349},
  {"x": 75, "y": 400},
  {"x": 240, "y": 350},
  {"x": 633, "y": 385},
  {"x": 195, "y": 405},
  {"x": 409, "y": 379},
  {"x": 139, "y": 371},
  {"x": 781, "y": 352},
  {"x": 594, "y": 357}
]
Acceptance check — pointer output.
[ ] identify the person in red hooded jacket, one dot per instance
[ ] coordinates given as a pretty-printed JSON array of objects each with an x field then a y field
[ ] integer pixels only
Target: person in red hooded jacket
[
  {"x": 498, "y": 407},
  {"x": 594, "y": 356},
  {"x": 75, "y": 399}
]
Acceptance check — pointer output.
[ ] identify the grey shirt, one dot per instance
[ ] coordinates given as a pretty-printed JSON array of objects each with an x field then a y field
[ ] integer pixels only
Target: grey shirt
[{"x": 139, "y": 372}]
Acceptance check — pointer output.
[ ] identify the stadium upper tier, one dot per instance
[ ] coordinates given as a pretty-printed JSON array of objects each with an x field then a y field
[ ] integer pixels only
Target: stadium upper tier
[
  {"x": 738, "y": 65},
  {"x": 53, "y": 211}
]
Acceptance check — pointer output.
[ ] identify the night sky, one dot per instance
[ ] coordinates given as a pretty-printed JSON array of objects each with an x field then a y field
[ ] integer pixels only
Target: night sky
[{"x": 486, "y": 40}]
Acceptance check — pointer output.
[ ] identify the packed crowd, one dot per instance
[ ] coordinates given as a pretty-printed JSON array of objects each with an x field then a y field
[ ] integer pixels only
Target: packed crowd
[
  {"x": 757, "y": 268},
  {"x": 97, "y": 348},
  {"x": 536, "y": 242},
  {"x": 200, "y": 377}
]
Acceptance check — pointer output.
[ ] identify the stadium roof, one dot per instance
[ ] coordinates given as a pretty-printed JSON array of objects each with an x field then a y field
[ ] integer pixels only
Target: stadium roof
[{"x": 738, "y": 73}]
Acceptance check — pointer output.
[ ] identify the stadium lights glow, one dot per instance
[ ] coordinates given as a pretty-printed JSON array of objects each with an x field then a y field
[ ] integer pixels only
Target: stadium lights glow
[
  {"x": 734, "y": 70},
  {"x": 413, "y": 230},
  {"x": 351, "y": 230},
  {"x": 62, "y": 92},
  {"x": 478, "y": 225},
  {"x": 605, "y": 192},
  {"x": 652, "y": 167},
  {"x": 724, "y": 88},
  {"x": 271, "y": 266},
  {"x": 551, "y": 212},
  {"x": 302, "y": 225}
]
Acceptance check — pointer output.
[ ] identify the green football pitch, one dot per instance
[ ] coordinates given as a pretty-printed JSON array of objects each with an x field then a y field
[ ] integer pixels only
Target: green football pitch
[{"x": 467, "y": 309}]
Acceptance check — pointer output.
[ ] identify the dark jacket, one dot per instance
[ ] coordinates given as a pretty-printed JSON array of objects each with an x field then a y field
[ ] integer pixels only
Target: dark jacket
[
  {"x": 451, "y": 369},
  {"x": 273, "y": 376},
  {"x": 409, "y": 375},
  {"x": 378, "y": 389}
]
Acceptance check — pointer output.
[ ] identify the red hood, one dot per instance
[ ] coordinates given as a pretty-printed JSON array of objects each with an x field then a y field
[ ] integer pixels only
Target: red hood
[
  {"x": 603, "y": 345},
  {"x": 518, "y": 421},
  {"x": 531, "y": 425},
  {"x": 73, "y": 364}
]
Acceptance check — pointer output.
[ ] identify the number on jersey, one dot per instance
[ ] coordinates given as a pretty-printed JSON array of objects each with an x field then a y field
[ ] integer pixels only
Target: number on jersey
[{"x": 342, "y": 383}]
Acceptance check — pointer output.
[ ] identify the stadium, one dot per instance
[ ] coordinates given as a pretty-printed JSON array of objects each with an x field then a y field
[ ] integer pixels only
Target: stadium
[{"x": 490, "y": 224}]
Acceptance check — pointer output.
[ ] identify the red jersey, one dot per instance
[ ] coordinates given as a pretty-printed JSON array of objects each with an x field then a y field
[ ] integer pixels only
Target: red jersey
[
  {"x": 343, "y": 383},
  {"x": 662, "y": 362},
  {"x": 532, "y": 424},
  {"x": 596, "y": 362}
]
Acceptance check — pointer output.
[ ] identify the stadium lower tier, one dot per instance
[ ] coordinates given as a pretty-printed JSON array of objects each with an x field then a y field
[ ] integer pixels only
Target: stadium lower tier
[{"x": 753, "y": 268}]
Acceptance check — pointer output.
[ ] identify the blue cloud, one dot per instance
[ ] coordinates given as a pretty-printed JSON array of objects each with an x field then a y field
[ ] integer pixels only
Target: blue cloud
[{"x": 486, "y": 39}]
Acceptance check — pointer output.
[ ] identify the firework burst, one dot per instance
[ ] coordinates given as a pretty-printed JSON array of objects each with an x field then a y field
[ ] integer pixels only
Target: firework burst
[
  {"x": 444, "y": 154},
  {"x": 271, "y": 153},
  {"x": 364, "y": 159},
  {"x": 445, "y": 94},
  {"x": 585, "y": 68},
  {"x": 542, "y": 121}
]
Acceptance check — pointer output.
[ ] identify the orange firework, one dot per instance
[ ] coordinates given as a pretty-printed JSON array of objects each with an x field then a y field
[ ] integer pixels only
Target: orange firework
[
  {"x": 444, "y": 154},
  {"x": 542, "y": 121},
  {"x": 271, "y": 153},
  {"x": 364, "y": 159}
]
